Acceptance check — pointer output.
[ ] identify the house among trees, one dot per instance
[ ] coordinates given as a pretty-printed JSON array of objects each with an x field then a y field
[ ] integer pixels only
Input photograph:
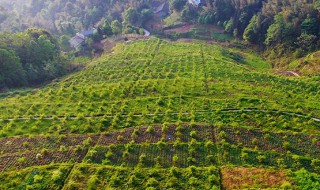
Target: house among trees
[
  {"x": 197, "y": 3},
  {"x": 80, "y": 38}
]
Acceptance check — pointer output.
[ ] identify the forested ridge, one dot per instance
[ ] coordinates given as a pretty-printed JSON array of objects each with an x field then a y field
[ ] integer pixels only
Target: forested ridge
[
  {"x": 286, "y": 28},
  {"x": 30, "y": 57},
  {"x": 65, "y": 16},
  {"x": 281, "y": 25}
]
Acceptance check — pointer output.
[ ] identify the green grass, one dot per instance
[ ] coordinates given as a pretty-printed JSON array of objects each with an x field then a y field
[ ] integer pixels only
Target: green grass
[
  {"x": 221, "y": 37},
  {"x": 308, "y": 65},
  {"x": 204, "y": 106},
  {"x": 173, "y": 20}
]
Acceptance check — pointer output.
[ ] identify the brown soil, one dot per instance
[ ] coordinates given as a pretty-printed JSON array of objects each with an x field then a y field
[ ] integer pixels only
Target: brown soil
[
  {"x": 108, "y": 45},
  {"x": 240, "y": 178},
  {"x": 181, "y": 29},
  {"x": 156, "y": 23}
]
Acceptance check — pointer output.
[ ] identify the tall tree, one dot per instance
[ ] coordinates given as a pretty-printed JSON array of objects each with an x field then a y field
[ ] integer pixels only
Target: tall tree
[
  {"x": 11, "y": 71},
  {"x": 116, "y": 27}
]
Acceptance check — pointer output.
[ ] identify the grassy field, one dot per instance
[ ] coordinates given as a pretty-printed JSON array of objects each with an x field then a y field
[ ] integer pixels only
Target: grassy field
[{"x": 164, "y": 115}]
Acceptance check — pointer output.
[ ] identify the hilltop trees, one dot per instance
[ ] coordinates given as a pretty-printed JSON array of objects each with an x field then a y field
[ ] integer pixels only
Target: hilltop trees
[
  {"x": 106, "y": 29},
  {"x": 68, "y": 17},
  {"x": 272, "y": 24},
  {"x": 11, "y": 71},
  {"x": 178, "y": 4},
  {"x": 29, "y": 57},
  {"x": 116, "y": 27},
  {"x": 130, "y": 17}
]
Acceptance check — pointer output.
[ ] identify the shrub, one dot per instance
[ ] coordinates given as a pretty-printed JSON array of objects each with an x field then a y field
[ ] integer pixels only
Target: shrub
[
  {"x": 152, "y": 182},
  {"x": 37, "y": 178},
  {"x": 119, "y": 138},
  {"x": 143, "y": 159},
  {"x": 22, "y": 161},
  {"x": 193, "y": 134},
  {"x": 87, "y": 142},
  {"x": 44, "y": 151},
  {"x": 63, "y": 148},
  {"x": 209, "y": 145},
  {"x": 213, "y": 179},
  {"x": 161, "y": 145},
  {"x": 222, "y": 135},
  {"x": 39, "y": 156},
  {"x": 286, "y": 145},
  {"x": 175, "y": 159},
  {"x": 92, "y": 182},
  {"x": 150, "y": 129},
  {"x": 164, "y": 128}
]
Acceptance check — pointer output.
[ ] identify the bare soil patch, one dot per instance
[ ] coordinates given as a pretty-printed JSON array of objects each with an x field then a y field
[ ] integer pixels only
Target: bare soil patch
[{"x": 240, "y": 178}]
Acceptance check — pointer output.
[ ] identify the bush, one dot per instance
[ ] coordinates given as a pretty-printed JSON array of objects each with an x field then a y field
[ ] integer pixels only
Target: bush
[
  {"x": 92, "y": 182},
  {"x": 22, "y": 161},
  {"x": 286, "y": 145},
  {"x": 39, "y": 156},
  {"x": 119, "y": 138},
  {"x": 150, "y": 129},
  {"x": 193, "y": 134},
  {"x": 152, "y": 182},
  {"x": 63, "y": 148}
]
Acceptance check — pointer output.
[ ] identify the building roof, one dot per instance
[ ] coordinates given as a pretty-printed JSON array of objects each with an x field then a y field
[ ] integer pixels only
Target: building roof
[
  {"x": 159, "y": 8},
  {"x": 88, "y": 32},
  {"x": 162, "y": 10},
  {"x": 196, "y": 2},
  {"x": 76, "y": 41},
  {"x": 80, "y": 38}
]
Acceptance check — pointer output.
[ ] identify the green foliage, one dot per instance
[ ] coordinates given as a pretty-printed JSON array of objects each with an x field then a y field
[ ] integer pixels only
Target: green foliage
[
  {"x": 11, "y": 71},
  {"x": 30, "y": 57},
  {"x": 178, "y": 5},
  {"x": 106, "y": 29},
  {"x": 189, "y": 13},
  {"x": 279, "y": 31},
  {"x": 116, "y": 27},
  {"x": 205, "y": 106},
  {"x": 130, "y": 17},
  {"x": 306, "y": 180}
]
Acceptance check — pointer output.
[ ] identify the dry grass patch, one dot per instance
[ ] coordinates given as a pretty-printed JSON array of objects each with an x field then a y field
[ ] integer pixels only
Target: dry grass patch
[{"x": 261, "y": 178}]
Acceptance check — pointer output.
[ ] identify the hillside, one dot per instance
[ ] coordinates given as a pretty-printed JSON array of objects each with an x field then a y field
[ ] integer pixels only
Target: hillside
[
  {"x": 156, "y": 114},
  {"x": 308, "y": 65}
]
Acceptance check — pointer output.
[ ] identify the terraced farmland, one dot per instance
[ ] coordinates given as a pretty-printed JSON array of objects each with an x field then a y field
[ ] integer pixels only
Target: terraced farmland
[{"x": 164, "y": 115}]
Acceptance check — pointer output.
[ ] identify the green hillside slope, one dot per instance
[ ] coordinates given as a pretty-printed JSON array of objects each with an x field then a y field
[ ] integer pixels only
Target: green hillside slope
[
  {"x": 158, "y": 115},
  {"x": 308, "y": 65}
]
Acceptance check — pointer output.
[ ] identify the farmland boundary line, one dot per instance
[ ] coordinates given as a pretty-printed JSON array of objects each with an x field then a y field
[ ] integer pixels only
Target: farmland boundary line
[
  {"x": 67, "y": 177},
  {"x": 230, "y": 110}
]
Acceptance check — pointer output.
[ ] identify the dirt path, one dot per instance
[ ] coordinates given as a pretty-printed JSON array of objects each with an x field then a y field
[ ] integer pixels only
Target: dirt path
[
  {"x": 294, "y": 73},
  {"x": 289, "y": 73},
  {"x": 146, "y": 32},
  {"x": 231, "y": 110}
]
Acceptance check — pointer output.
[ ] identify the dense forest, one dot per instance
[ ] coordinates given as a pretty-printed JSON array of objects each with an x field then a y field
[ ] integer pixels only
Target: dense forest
[
  {"x": 68, "y": 16},
  {"x": 29, "y": 57},
  {"x": 279, "y": 28},
  {"x": 279, "y": 25},
  {"x": 268, "y": 23}
]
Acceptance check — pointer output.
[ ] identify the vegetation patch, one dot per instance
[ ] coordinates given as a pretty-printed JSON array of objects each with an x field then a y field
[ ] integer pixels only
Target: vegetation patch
[{"x": 258, "y": 178}]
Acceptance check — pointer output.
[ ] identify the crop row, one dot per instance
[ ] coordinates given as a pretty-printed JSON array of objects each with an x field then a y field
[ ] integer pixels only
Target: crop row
[
  {"x": 281, "y": 142},
  {"x": 124, "y": 116},
  {"x": 18, "y": 161},
  {"x": 98, "y": 177}
]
